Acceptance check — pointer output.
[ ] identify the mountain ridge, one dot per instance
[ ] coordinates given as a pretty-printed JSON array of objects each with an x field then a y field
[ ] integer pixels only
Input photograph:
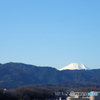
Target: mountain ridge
[{"x": 19, "y": 74}]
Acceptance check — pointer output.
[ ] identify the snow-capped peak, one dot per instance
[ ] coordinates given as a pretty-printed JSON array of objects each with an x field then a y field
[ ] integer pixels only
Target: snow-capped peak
[{"x": 75, "y": 66}]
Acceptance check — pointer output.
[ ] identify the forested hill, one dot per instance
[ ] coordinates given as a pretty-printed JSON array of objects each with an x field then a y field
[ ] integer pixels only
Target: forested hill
[{"x": 19, "y": 74}]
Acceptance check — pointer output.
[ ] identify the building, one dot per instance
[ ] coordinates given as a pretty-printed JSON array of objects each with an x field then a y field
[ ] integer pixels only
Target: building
[{"x": 89, "y": 97}]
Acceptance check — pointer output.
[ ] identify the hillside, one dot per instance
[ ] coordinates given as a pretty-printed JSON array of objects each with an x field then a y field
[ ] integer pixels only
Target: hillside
[{"x": 19, "y": 74}]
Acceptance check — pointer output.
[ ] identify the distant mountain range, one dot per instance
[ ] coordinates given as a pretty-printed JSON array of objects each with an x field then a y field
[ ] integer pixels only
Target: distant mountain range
[{"x": 19, "y": 74}]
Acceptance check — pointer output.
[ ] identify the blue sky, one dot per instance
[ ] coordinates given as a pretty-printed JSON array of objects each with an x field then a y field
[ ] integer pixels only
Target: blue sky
[{"x": 50, "y": 32}]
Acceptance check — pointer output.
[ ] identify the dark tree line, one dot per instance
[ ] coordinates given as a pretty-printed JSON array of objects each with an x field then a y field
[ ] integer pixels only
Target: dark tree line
[
  {"x": 38, "y": 93},
  {"x": 27, "y": 93}
]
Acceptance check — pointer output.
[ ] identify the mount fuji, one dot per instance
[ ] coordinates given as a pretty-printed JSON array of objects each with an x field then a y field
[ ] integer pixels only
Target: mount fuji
[{"x": 75, "y": 66}]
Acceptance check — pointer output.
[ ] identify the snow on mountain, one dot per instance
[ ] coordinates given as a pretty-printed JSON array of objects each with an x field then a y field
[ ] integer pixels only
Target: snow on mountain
[{"x": 75, "y": 66}]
